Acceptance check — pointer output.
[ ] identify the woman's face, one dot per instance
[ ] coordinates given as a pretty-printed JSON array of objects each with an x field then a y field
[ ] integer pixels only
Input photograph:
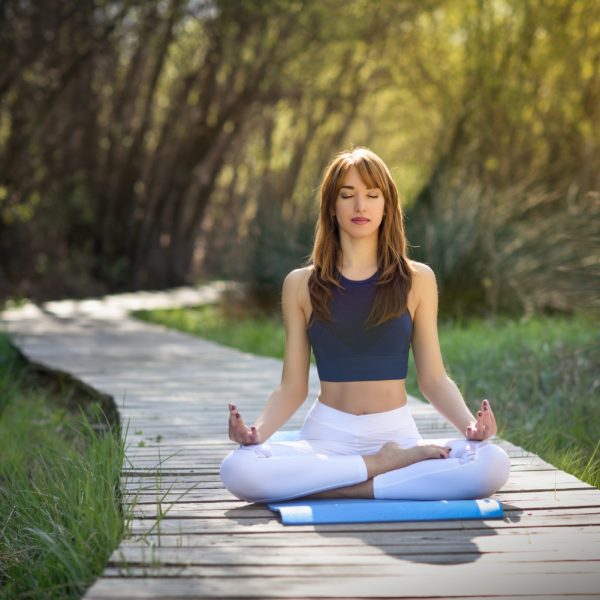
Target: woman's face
[{"x": 359, "y": 210}]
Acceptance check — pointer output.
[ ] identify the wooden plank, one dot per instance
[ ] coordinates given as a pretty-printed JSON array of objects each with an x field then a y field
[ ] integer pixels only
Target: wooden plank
[
  {"x": 518, "y": 499},
  {"x": 241, "y": 525},
  {"x": 181, "y": 505},
  {"x": 538, "y": 482},
  {"x": 415, "y": 581},
  {"x": 336, "y": 539},
  {"x": 360, "y": 567},
  {"x": 549, "y": 546}
]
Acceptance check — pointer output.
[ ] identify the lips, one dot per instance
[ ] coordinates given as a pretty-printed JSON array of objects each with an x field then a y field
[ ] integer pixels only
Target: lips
[{"x": 360, "y": 220}]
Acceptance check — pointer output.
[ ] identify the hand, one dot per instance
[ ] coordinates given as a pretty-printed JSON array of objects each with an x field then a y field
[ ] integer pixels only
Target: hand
[
  {"x": 485, "y": 425},
  {"x": 240, "y": 433}
]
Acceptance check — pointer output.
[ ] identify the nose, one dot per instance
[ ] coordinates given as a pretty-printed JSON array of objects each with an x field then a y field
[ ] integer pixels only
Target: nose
[{"x": 360, "y": 203}]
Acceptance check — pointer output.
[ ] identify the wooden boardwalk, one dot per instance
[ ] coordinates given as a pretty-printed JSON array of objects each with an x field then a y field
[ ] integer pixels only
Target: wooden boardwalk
[{"x": 190, "y": 538}]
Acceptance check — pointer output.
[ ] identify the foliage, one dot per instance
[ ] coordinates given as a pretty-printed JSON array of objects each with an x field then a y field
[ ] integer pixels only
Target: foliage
[
  {"x": 519, "y": 251},
  {"x": 144, "y": 144}
]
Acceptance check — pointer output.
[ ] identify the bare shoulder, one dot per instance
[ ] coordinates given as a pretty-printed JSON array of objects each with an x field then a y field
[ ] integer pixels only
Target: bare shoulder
[
  {"x": 421, "y": 270},
  {"x": 424, "y": 282},
  {"x": 298, "y": 278},
  {"x": 297, "y": 281}
]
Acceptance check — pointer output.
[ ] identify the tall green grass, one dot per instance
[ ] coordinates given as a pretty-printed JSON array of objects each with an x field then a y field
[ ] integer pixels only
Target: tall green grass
[
  {"x": 60, "y": 513},
  {"x": 541, "y": 377},
  {"x": 540, "y": 374}
]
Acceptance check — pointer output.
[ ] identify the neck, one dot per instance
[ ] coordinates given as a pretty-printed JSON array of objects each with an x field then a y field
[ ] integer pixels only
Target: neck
[{"x": 359, "y": 254}]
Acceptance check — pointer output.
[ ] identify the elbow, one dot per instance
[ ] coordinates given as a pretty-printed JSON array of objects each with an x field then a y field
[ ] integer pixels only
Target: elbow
[
  {"x": 429, "y": 385},
  {"x": 296, "y": 394}
]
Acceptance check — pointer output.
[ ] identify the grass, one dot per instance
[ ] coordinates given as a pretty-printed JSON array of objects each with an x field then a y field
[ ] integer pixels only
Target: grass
[
  {"x": 540, "y": 375},
  {"x": 60, "y": 512}
]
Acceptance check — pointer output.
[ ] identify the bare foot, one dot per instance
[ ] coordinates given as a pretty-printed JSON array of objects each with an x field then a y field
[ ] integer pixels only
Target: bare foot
[{"x": 392, "y": 456}]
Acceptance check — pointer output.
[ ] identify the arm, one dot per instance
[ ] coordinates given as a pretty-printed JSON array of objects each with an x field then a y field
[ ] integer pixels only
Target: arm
[
  {"x": 434, "y": 383},
  {"x": 293, "y": 389}
]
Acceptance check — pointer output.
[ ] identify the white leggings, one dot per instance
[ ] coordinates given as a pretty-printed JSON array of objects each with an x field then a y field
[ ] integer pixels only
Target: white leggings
[{"x": 329, "y": 455}]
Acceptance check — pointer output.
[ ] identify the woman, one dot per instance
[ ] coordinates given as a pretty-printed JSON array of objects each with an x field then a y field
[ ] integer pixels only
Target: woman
[{"x": 361, "y": 303}]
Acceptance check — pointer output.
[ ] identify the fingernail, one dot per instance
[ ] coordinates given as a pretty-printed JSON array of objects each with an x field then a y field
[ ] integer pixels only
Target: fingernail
[{"x": 237, "y": 415}]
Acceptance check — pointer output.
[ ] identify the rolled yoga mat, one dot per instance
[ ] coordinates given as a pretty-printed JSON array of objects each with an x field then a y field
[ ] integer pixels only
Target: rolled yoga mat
[
  {"x": 324, "y": 510},
  {"x": 332, "y": 511}
]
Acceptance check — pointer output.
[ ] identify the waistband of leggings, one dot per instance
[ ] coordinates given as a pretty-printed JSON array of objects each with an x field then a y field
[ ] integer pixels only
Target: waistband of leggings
[
  {"x": 325, "y": 422},
  {"x": 324, "y": 412}
]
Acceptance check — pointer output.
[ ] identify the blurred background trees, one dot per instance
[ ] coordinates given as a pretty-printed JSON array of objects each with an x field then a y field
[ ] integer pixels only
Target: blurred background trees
[{"x": 146, "y": 144}]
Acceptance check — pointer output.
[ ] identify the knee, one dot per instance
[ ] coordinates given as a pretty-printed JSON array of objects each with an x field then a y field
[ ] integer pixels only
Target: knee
[
  {"x": 234, "y": 473},
  {"x": 239, "y": 474},
  {"x": 495, "y": 468}
]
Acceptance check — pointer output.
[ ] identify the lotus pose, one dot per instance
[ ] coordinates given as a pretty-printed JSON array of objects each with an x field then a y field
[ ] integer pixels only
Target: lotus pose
[{"x": 361, "y": 303}]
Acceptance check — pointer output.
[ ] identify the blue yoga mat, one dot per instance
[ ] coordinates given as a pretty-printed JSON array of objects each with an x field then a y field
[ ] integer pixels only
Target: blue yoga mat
[{"x": 310, "y": 512}]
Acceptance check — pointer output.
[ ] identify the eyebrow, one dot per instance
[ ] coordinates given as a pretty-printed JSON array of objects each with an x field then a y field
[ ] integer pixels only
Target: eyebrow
[{"x": 351, "y": 187}]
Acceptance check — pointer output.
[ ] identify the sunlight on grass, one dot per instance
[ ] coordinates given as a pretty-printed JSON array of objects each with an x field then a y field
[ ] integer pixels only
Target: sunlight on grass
[{"x": 259, "y": 335}]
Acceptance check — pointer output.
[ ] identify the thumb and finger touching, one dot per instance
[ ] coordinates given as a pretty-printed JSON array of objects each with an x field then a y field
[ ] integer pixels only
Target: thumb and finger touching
[
  {"x": 485, "y": 425},
  {"x": 239, "y": 431}
]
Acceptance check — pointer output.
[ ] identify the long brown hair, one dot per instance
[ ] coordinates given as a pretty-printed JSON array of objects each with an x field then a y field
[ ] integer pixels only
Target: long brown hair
[{"x": 395, "y": 271}]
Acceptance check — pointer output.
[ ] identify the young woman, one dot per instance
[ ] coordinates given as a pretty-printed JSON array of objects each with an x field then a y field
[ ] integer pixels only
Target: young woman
[{"x": 361, "y": 303}]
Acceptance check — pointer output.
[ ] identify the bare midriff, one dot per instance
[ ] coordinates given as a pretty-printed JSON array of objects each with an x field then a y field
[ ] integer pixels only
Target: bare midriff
[{"x": 363, "y": 397}]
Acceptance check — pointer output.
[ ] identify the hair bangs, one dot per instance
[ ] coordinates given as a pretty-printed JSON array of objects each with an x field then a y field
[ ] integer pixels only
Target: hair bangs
[{"x": 369, "y": 173}]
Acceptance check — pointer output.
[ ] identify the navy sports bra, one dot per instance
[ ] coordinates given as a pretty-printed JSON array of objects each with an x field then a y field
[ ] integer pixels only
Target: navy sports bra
[{"x": 345, "y": 351}]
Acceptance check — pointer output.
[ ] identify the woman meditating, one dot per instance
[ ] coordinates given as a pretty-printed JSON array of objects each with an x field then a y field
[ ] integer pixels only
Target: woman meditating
[{"x": 361, "y": 303}]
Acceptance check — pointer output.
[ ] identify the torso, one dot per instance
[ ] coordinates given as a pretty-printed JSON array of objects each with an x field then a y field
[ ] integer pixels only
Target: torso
[{"x": 360, "y": 397}]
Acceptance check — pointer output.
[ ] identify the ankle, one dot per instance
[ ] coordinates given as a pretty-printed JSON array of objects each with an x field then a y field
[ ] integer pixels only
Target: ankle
[{"x": 375, "y": 464}]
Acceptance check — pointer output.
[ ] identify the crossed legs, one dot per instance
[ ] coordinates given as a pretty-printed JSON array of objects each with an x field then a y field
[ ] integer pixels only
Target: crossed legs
[{"x": 427, "y": 471}]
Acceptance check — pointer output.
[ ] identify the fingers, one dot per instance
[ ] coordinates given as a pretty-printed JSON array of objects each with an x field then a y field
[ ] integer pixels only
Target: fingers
[
  {"x": 488, "y": 419},
  {"x": 475, "y": 431},
  {"x": 238, "y": 431},
  {"x": 485, "y": 425},
  {"x": 234, "y": 415},
  {"x": 475, "y": 428},
  {"x": 470, "y": 431},
  {"x": 254, "y": 435},
  {"x": 444, "y": 451}
]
